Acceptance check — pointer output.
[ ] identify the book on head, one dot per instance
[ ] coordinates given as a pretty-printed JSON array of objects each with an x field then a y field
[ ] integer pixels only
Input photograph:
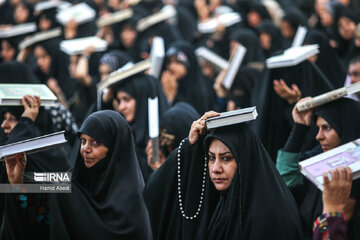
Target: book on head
[
  {"x": 38, "y": 37},
  {"x": 78, "y": 45},
  {"x": 328, "y": 97},
  {"x": 232, "y": 117},
  {"x": 226, "y": 19},
  {"x": 234, "y": 63},
  {"x": 165, "y": 13},
  {"x": 12, "y": 93},
  {"x": 115, "y": 17},
  {"x": 81, "y": 13},
  {"x": 345, "y": 155},
  {"x": 292, "y": 56},
  {"x": 157, "y": 55},
  {"x": 126, "y": 71},
  {"x": 33, "y": 145},
  {"x": 17, "y": 30},
  {"x": 153, "y": 116},
  {"x": 205, "y": 54}
]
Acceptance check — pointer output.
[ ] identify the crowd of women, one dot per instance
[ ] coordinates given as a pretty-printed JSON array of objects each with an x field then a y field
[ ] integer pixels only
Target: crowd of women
[{"x": 235, "y": 182}]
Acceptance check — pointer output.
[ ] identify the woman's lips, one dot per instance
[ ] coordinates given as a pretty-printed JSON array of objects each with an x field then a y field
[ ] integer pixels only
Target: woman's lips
[{"x": 219, "y": 180}]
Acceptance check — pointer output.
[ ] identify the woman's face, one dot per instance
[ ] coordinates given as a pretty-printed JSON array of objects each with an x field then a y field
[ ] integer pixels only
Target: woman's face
[
  {"x": 8, "y": 123},
  {"x": 286, "y": 29},
  {"x": 43, "y": 59},
  {"x": 327, "y": 136},
  {"x": 126, "y": 105},
  {"x": 104, "y": 71},
  {"x": 7, "y": 51},
  {"x": 265, "y": 41},
  {"x": 176, "y": 68},
  {"x": 222, "y": 165},
  {"x": 254, "y": 19},
  {"x": 21, "y": 13},
  {"x": 128, "y": 36},
  {"x": 91, "y": 150},
  {"x": 346, "y": 28},
  {"x": 44, "y": 23}
]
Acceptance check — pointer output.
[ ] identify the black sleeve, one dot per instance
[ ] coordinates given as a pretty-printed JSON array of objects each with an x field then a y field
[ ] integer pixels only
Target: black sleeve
[
  {"x": 25, "y": 129},
  {"x": 296, "y": 138}
]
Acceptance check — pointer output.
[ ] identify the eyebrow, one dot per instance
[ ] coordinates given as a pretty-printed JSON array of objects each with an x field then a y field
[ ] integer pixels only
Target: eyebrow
[{"x": 224, "y": 153}]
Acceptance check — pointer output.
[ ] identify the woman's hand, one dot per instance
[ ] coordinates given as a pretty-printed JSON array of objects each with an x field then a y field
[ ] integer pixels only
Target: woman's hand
[
  {"x": 303, "y": 117},
  {"x": 169, "y": 85},
  {"x": 154, "y": 165},
  {"x": 31, "y": 106},
  {"x": 199, "y": 127},
  {"x": 15, "y": 167},
  {"x": 292, "y": 95},
  {"x": 337, "y": 191}
]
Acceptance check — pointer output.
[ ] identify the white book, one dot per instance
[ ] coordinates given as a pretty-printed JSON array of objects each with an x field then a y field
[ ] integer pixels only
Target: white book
[
  {"x": 12, "y": 93},
  {"x": 17, "y": 30},
  {"x": 226, "y": 19},
  {"x": 299, "y": 36},
  {"x": 1, "y": 2},
  {"x": 123, "y": 73},
  {"x": 40, "y": 6},
  {"x": 78, "y": 45},
  {"x": 206, "y": 54},
  {"x": 165, "y": 13},
  {"x": 234, "y": 64},
  {"x": 292, "y": 56},
  {"x": 157, "y": 55},
  {"x": 33, "y": 145},
  {"x": 342, "y": 156},
  {"x": 232, "y": 117},
  {"x": 328, "y": 97},
  {"x": 153, "y": 116},
  {"x": 38, "y": 37},
  {"x": 81, "y": 13},
  {"x": 115, "y": 17}
]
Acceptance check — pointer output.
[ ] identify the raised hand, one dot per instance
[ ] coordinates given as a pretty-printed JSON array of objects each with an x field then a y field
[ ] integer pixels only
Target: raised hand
[
  {"x": 337, "y": 191},
  {"x": 291, "y": 95},
  {"x": 199, "y": 127},
  {"x": 31, "y": 106},
  {"x": 303, "y": 117}
]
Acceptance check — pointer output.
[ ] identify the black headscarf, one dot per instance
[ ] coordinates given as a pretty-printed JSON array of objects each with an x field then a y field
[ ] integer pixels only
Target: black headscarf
[
  {"x": 193, "y": 88},
  {"x": 58, "y": 68},
  {"x": 175, "y": 124},
  {"x": 328, "y": 61},
  {"x": 107, "y": 198},
  {"x": 257, "y": 204},
  {"x": 295, "y": 18},
  {"x": 142, "y": 87},
  {"x": 277, "y": 40},
  {"x": 274, "y": 124},
  {"x": 250, "y": 41},
  {"x": 344, "y": 116}
]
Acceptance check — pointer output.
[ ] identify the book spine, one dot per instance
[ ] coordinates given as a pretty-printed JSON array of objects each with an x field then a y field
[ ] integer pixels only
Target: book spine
[
  {"x": 155, "y": 150},
  {"x": 321, "y": 99}
]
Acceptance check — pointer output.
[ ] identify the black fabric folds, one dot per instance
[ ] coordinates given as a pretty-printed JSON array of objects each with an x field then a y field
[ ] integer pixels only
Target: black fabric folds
[
  {"x": 257, "y": 204},
  {"x": 106, "y": 200}
]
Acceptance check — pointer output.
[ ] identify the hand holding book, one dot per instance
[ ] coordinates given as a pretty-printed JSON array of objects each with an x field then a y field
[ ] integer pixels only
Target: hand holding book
[
  {"x": 337, "y": 190},
  {"x": 304, "y": 117},
  {"x": 199, "y": 126},
  {"x": 31, "y": 106}
]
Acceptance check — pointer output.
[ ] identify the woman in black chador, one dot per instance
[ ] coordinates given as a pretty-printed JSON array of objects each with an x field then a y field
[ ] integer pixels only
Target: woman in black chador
[
  {"x": 106, "y": 200},
  {"x": 242, "y": 196}
]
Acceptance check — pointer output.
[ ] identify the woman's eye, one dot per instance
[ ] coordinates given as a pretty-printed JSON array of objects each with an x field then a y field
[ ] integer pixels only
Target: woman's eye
[
  {"x": 227, "y": 158},
  {"x": 211, "y": 158}
]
